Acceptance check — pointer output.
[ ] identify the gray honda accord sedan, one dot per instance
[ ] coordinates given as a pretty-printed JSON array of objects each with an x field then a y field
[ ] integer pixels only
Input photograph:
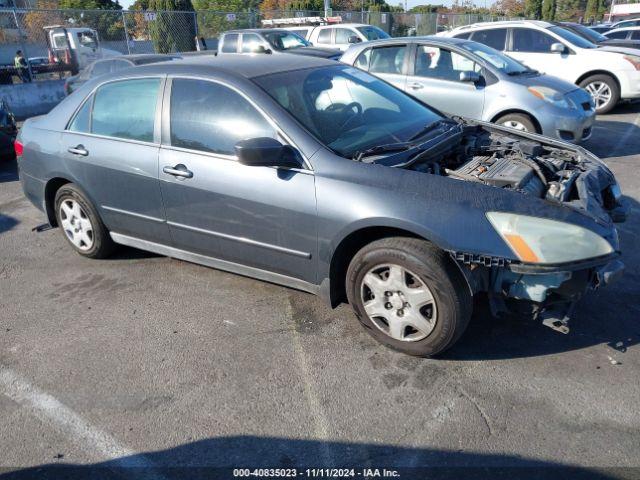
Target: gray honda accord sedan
[{"x": 321, "y": 177}]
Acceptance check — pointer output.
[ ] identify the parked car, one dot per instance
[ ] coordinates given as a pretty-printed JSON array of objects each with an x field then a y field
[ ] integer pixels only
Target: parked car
[
  {"x": 113, "y": 64},
  {"x": 626, "y": 33},
  {"x": 270, "y": 40},
  {"x": 600, "y": 28},
  {"x": 600, "y": 39},
  {"x": 316, "y": 175},
  {"x": 8, "y": 132},
  {"x": 607, "y": 73},
  {"x": 467, "y": 78},
  {"x": 633, "y": 22},
  {"x": 339, "y": 35},
  {"x": 76, "y": 47}
]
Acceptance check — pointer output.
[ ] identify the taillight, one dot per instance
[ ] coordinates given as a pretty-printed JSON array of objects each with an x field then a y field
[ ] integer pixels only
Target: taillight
[
  {"x": 633, "y": 60},
  {"x": 18, "y": 147}
]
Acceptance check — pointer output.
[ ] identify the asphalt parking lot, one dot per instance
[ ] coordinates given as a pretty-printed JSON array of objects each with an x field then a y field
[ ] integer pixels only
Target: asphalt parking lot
[{"x": 145, "y": 361}]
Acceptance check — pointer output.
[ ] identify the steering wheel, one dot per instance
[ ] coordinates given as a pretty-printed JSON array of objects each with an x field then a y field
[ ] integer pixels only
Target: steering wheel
[{"x": 354, "y": 107}]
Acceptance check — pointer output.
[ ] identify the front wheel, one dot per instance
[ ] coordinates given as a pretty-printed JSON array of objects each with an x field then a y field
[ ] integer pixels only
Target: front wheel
[
  {"x": 409, "y": 295},
  {"x": 604, "y": 90},
  {"x": 518, "y": 121}
]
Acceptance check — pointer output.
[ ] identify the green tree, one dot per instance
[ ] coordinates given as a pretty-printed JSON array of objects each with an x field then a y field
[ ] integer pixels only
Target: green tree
[
  {"x": 174, "y": 28},
  {"x": 533, "y": 9},
  {"x": 549, "y": 10}
]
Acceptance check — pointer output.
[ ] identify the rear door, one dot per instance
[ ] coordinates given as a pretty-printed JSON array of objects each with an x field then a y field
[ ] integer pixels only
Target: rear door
[
  {"x": 260, "y": 217},
  {"x": 111, "y": 147},
  {"x": 435, "y": 79}
]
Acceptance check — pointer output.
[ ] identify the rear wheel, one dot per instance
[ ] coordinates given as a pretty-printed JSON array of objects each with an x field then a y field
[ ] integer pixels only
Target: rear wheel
[
  {"x": 518, "y": 121},
  {"x": 604, "y": 90},
  {"x": 409, "y": 295},
  {"x": 80, "y": 223}
]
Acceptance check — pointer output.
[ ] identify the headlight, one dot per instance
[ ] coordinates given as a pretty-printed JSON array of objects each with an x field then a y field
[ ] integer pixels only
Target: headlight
[
  {"x": 633, "y": 60},
  {"x": 551, "y": 96},
  {"x": 539, "y": 240}
]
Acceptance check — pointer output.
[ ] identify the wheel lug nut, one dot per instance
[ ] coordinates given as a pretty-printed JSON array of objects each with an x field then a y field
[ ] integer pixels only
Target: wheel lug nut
[
  {"x": 387, "y": 294},
  {"x": 400, "y": 312},
  {"x": 388, "y": 306}
]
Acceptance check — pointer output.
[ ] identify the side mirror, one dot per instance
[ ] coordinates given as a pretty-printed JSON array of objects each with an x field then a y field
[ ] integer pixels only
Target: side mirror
[
  {"x": 558, "y": 48},
  {"x": 266, "y": 152},
  {"x": 260, "y": 49},
  {"x": 354, "y": 39},
  {"x": 469, "y": 77}
]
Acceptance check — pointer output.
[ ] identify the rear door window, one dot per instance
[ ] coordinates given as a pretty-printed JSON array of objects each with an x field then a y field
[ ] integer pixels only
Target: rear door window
[
  {"x": 434, "y": 62},
  {"x": 82, "y": 121},
  {"x": 126, "y": 109},
  {"x": 210, "y": 117},
  {"x": 324, "y": 35},
  {"x": 617, "y": 35},
  {"x": 494, "y": 38},
  {"x": 635, "y": 35},
  {"x": 387, "y": 59},
  {"x": 230, "y": 43}
]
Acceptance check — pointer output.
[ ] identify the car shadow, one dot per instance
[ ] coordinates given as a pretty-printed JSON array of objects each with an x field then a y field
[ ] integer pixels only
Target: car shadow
[
  {"x": 216, "y": 458},
  {"x": 615, "y": 138},
  {"x": 7, "y": 223},
  {"x": 607, "y": 316},
  {"x": 8, "y": 171}
]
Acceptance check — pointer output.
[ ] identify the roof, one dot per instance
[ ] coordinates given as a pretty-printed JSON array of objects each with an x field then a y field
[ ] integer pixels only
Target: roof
[
  {"x": 624, "y": 29},
  {"x": 430, "y": 38},
  {"x": 247, "y": 66},
  {"x": 505, "y": 23},
  {"x": 256, "y": 30}
]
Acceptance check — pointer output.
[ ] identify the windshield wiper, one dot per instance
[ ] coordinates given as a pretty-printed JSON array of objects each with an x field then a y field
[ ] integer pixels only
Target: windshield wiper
[
  {"x": 389, "y": 147},
  {"x": 523, "y": 72},
  {"x": 430, "y": 127}
]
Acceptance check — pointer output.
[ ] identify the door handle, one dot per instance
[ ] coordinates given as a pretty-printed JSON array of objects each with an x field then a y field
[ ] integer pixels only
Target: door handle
[
  {"x": 416, "y": 86},
  {"x": 179, "y": 170},
  {"x": 78, "y": 150}
]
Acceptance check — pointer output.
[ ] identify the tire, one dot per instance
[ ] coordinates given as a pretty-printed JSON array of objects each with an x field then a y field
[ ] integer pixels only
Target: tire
[
  {"x": 446, "y": 315},
  {"x": 80, "y": 223},
  {"x": 592, "y": 85},
  {"x": 518, "y": 121}
]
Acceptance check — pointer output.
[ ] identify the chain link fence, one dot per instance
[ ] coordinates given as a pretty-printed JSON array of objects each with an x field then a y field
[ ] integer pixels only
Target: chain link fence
[{"x": 132, "y": 32}]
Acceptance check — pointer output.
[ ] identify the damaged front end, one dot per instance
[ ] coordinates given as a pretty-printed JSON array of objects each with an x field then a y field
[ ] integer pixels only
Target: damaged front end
[{"x": 554, "y": 263}]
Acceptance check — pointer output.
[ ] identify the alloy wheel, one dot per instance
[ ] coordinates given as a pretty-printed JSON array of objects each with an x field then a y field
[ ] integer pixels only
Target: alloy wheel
[
  {"x": 398, "y": 302},
  {"x": 600, "y": 92},
  {"x": 76, "y": 224},
  {"x": 515, "y": 125}
]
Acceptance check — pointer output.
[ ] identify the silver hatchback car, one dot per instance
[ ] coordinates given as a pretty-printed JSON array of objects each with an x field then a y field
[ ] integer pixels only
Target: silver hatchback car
[{"x": 466, "y": 78}]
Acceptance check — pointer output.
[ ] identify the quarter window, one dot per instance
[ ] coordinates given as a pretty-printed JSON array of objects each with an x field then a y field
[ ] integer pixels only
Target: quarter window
[
  {"x": 387, "y": 59},
  {"x": 210, "y": 117},
  {"x": 528, "y": 40},
  {"x": 363, "y": 59},
  {"x": 324, "y": 36},
  {"x": 494, "y": 38},
  {"x": 126, "y": 109},
  {"x": 230, "y": 43},
  {"x": 81, "y": 122},
  {"x": 635, "y": 35}
]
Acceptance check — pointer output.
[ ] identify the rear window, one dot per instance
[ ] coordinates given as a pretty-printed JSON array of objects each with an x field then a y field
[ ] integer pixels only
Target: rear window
[{"x": 494, "y": 38}]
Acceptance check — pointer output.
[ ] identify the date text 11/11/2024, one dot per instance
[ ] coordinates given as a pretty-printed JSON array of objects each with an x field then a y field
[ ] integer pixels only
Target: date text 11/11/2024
[{"x": 316, "y": 473}]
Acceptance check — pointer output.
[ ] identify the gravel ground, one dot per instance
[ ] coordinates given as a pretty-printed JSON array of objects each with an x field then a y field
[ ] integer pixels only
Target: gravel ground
[{"x": 144, "y": 361}]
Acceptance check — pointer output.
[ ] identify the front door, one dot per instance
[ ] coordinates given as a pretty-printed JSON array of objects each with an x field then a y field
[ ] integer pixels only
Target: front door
[
  {"x": 436, "y": 81},
  {"x": 112, "y": 148},
  {"x": 260, "y": 217},
  {"x": 533, "y": 48}
]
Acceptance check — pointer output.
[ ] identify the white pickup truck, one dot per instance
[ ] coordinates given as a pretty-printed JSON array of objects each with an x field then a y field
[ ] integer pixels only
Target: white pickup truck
[
  {"x": 77, "y": 46},
  {"x": 329, "y": 32}
]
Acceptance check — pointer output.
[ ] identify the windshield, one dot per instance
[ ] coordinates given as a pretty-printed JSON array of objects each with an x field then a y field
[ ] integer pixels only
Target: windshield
[
  {"x": 589, "y": 33},
  {"x": 572, "y": 37},
  {"x": 285, "y": 40},
  {"x": 372, "y": 33},
  {"x": 347, "y": 109},
  {"x": 506, "y": 64}
]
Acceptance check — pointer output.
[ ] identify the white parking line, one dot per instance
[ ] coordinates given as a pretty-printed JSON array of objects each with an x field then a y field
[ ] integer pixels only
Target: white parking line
[{"x": 49, "y": 410}]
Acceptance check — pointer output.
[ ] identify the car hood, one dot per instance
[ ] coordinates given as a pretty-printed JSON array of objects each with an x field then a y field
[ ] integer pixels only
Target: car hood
[
  {"x": 623, "y": 50},
  {"x": 542, "y": 80},
  {"x": 635, "y": 44},
  {"x": 316, "y": 52}
]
